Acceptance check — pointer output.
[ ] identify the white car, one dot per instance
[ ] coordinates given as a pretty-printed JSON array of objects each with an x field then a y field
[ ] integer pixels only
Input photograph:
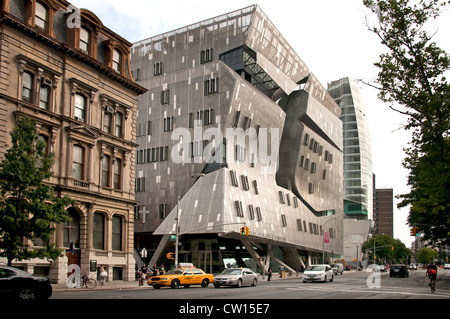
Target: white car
[
  {"x": 446, "y": 266},
  {"x": 318, "y": 273}
]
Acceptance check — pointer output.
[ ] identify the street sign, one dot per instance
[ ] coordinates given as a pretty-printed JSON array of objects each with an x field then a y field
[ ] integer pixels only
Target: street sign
[
  {"x": 326, "y": 237},
  {"x": 173, "y": 238}
]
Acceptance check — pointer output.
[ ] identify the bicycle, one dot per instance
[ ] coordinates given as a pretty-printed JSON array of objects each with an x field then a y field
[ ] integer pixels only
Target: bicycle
[
  {"x": 432, "y": 285},
  {"x": 88, "y": 282}
]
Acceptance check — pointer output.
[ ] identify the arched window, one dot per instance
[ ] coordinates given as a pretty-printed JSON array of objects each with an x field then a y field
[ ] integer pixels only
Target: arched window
[
  {"x": 117, "y": 233},
  {"x": 99, "y": 231},
  {"x": 72, "y": 229}
]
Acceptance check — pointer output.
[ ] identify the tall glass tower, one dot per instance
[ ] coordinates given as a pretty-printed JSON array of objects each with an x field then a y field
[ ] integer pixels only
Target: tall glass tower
[{"x": 358, "y": 173}]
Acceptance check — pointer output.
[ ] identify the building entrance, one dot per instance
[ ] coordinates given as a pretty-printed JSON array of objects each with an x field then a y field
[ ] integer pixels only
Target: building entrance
[{"x": 204, "y": 261}]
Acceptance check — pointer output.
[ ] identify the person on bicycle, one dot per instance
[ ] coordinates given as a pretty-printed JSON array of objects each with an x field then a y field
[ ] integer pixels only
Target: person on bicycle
[{"x": 432, "y": 274}]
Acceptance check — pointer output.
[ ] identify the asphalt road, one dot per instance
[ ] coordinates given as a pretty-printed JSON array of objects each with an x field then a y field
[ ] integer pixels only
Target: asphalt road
[{"x": 354, "y": 285}]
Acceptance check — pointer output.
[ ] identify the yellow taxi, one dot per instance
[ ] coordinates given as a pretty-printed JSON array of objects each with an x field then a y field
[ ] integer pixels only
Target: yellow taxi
[{"x": 181, "y": 277}]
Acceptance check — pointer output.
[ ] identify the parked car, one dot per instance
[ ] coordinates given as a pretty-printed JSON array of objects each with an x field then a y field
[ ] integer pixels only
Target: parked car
[
  {"x": 19, "y": 284},
  {"x": 399, "y": 271},
  {"x": 446, "y": 266},
  {"x": 383, "y": 268},
  {"x": 181, "y": 277},
  {"x": 338, "y": 268},
  {"x": 318, "y": 273},
  {"x": 236, "y": 277}
]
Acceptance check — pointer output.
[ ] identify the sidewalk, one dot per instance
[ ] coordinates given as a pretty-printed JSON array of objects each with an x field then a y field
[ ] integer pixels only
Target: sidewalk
[{"x": 120, "y": 285}]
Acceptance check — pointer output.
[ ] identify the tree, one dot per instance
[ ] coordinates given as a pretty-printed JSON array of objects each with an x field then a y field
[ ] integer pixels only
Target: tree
[
  {"x": 426, "y": 255},
  {"x": 383, "y": 249},
  {"x": 412, "y": 80},
  {"x": 29, "y": 208}
]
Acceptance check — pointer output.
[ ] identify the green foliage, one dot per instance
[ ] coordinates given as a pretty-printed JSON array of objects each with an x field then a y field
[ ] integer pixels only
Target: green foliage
[
  {"x": 426, "y": 255},
  {"x": 29, "y": 208},
  {"x": 412, "y": 79},
  {"x": 383, "y": 249}
]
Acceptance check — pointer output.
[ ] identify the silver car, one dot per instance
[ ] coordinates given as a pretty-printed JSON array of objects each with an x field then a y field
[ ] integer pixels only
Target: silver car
[{"x": 236, "y": 277}]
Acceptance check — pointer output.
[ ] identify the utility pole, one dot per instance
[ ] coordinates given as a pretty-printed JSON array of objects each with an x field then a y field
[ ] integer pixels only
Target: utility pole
[
  {"x": 374, "y": 253},
  {"x": 177, "y": 233}
]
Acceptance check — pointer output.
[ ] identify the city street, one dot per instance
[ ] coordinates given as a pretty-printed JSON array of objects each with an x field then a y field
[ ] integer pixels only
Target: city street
[{"x": 351, "y": 285}]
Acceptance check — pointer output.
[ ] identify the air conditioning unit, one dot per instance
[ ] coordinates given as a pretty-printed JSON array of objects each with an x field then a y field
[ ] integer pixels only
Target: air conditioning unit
[{"x": 79, "y": 119}]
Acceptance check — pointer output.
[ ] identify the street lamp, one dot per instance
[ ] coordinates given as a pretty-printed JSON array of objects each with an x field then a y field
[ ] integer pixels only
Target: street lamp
[{"x": 323, "y": 239}]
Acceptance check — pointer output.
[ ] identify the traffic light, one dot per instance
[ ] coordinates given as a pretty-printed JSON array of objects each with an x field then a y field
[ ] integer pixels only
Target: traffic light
[
  {"x": 170, "y": 256},
  {"x": 245, "y": 231},
  {"x": 414, "y": 231}
]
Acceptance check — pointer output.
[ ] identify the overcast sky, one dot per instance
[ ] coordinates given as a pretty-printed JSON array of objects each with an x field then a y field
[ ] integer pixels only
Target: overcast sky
[{"x": 330, "y": 36}]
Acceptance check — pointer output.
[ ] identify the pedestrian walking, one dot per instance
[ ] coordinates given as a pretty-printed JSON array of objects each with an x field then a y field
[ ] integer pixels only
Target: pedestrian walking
[
  {"x": 103, "y": 275},
  {"x": 155, "y": 270},
  {"x": 143, "y": 274},
  {"x": 269, "y": 274},
  {"x": 281, "y": 271}
]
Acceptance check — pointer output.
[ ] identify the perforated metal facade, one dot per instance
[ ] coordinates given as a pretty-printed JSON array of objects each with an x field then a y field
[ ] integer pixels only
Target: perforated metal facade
[{"x": 232, "y": 89}]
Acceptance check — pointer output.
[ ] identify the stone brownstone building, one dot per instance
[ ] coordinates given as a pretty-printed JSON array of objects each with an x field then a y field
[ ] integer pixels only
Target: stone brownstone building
[{"x": 71, "y": 74}]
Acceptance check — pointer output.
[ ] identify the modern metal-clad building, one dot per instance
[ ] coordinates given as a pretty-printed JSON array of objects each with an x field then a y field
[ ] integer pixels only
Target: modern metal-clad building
[{"x": 234, "y": 131}]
